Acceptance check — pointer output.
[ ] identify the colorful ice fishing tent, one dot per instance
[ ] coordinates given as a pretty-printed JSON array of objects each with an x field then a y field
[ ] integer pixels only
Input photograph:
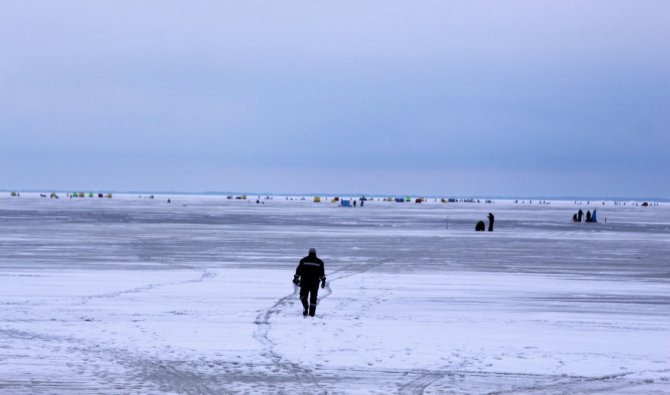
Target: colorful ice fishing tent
[
  {"x": 317, "y": 199},
  {"x": 593, "y": 216},
  {"x": 408, "y": 199},
  {"x": 399, "y": 200},
  {"x": 346, "y": 203}
]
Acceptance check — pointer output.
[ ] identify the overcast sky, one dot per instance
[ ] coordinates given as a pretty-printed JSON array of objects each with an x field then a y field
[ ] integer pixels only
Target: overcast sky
[{"x": 422, "y": 97}]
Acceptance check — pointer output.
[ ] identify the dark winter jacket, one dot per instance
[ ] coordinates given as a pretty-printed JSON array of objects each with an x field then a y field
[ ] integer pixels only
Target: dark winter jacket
[{"x": 311, "y": 271}]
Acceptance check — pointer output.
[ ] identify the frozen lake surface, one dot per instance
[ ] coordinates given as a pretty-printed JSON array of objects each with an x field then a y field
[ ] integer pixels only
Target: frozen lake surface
[{"x": 130, "y": 295}]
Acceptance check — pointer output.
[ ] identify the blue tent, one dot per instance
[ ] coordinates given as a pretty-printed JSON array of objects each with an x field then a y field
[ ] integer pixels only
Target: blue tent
[
  {"x": 346, "y": 203},
  {"x": 593, "y": 216}
]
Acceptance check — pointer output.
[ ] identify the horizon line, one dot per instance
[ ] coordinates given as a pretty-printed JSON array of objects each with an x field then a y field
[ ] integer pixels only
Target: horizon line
[{"x": 456, "y": 196}]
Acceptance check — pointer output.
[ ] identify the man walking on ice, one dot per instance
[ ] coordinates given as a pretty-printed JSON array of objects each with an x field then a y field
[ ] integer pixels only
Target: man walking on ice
[{"x": 308, "y": 274}]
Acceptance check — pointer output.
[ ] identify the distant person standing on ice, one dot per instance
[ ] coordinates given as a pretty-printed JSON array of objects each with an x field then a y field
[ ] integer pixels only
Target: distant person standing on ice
[
  {"x": 580, "y": 214},
  {"x": 491, "y": 218},
  {"x": 308, "y": 274}
]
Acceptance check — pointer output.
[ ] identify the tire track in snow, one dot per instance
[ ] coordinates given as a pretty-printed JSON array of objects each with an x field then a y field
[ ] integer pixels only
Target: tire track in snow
[
  {"x": 180, "y": 381},
  {"x": 206, "y": 275},
  {"x": 144, "y": 374},
  {"x": 565, "y": 383},
  {"x": 349, "y": 271},
  {"x": 574, "y": 382},
  {"x": 262, "y": 335},
  {"x": 419, "y": 384},
  {"x": 168, "y": 377}
]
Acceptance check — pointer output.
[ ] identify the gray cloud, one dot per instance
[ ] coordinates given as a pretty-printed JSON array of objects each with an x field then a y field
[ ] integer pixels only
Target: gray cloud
[{"x": 436, "y": 97}]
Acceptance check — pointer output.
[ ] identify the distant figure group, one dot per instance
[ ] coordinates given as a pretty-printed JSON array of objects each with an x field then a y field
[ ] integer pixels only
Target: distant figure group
[
  {"x": 577, "y": 217},
  {"x": 350, "y": 202},
  {"x": 481, "y": 226}
]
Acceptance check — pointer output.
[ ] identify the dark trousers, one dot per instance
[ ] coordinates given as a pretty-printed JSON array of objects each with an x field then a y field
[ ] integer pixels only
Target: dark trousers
[{"x": 309, "y": 291}]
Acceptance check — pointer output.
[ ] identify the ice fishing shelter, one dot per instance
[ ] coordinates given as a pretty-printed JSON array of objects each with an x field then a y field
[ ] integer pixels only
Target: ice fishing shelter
[
  {"x": 593, "y": 216},
  {"x": 346, "y": 203},
  {"x": 317, "y": 199},
  {"x": 399, "y": 200}
]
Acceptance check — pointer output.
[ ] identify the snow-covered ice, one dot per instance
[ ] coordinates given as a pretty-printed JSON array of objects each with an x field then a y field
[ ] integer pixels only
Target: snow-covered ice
[{"x": 135, "y": 295}]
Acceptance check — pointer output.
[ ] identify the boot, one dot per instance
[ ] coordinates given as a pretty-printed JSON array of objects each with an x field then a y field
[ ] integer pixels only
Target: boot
[
  {"x": 305, "y": 306},
  {"x": 312, "y": 310}
]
